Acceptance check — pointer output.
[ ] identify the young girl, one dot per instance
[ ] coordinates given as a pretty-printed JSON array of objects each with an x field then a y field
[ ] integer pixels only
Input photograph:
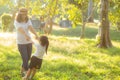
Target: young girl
[{"x": 37, "y": 57}]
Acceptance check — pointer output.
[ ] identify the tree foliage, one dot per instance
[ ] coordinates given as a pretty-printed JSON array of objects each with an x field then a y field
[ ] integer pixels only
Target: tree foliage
[
  {"x": 71, "y": 9},
  {"x": 6, "y": 20},
  {"x": 114, "y": 11}
]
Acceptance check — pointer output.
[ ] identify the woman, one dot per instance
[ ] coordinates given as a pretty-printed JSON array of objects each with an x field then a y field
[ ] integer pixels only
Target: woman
[{"x": 23, "y": 25}]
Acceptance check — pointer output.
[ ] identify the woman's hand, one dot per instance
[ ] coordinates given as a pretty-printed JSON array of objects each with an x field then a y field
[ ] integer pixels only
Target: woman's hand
[{"x": 27, "y": 38}]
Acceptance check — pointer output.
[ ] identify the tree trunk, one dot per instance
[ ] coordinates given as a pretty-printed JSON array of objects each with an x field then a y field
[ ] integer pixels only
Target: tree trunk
[
  {"x": 27, "y": 4},
  {"x": 83, "y": 31},
  {"x": 83, "y": 26},
  {"x": 118, "y": 25},
  {"x": 90, "y": 11},
  {"x": 13, "y": 16},
  {"x": 83, "y": 23},
  {"x": 105, "y": 41},
  {"x": 49, "y": 24}
]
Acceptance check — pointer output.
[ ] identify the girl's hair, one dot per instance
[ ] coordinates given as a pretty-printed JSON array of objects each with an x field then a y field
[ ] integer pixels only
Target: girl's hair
[{"x": 44, "y": 41}]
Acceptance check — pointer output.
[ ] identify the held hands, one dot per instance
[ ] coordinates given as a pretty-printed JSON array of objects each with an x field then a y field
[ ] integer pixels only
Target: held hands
[
  {"x": 27, "y": 38},
  {"x": 36, "y": 37}
]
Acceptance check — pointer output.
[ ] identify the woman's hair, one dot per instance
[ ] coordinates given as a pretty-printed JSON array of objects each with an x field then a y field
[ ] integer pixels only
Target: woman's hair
[
  {"x": 44, "y": 41},
  {"x": 21, "y": 12},
  {"x": 19, "y": 18}
]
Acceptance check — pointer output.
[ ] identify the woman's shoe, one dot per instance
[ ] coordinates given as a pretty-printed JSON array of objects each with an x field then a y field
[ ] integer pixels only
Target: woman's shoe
[{"x": 24, "y": 78}]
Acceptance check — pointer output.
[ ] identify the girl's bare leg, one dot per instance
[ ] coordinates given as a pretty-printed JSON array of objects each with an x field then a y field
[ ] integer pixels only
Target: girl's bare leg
[
  {"x": 33, "y": 73},
  {"x": 28, "y": 73}
]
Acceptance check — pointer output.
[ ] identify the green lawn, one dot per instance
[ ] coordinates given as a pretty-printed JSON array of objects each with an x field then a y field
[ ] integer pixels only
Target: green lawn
[{"x": 69, "y": 58}]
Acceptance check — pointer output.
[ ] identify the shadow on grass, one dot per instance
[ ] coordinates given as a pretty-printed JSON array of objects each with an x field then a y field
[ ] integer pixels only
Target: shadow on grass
[
  {"x": 75, "y": 32},
  {"x": 89, "y": 33},
  {"x": 115, "y": 35},
  {"x": 113, "y": 51}
]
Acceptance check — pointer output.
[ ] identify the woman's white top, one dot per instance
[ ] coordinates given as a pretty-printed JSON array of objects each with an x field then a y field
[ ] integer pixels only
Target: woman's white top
[
  {"x": 40, "y": 51},
  {"x": 20, "y": 37}
]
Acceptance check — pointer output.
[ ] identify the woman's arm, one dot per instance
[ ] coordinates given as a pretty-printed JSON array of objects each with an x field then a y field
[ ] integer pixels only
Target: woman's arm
[
  {"x": 20, "y": 29},
  {"x": 33, "y": 31}
]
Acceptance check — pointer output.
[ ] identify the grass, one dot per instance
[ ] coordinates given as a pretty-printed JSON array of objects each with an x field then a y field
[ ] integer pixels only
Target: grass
[{"x": 69, "y": 58}]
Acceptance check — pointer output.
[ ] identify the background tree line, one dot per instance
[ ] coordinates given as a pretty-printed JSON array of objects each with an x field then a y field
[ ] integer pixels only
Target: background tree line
[{"x": 79, "y": 12}]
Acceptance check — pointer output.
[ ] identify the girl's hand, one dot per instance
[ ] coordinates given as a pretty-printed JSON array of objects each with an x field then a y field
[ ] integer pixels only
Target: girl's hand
[{"x": 32, "y": 42}]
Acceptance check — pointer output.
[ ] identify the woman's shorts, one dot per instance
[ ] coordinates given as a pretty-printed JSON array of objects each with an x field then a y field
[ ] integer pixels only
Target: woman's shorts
[{"x": 35, "y": 62}]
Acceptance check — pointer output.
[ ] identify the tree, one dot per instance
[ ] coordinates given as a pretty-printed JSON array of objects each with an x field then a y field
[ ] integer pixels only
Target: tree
[
  {"x": 51, "y": 13},
  {"x": 14, "y": 11},
  {"x": 11, "y": 8},
  {"x": 46, "y": 8},
  {"x": 27, "y": 4},
  {"x": 105, "y": 41},
  {"x": 90, "y": 11},
  {"x": 81, "y": 6}
]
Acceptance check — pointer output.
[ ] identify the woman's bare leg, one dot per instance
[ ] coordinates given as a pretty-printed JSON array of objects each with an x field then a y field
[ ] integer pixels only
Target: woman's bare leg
[
  {"x": 22, "y": 72},
  {"x": 22, "y": 69}
]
